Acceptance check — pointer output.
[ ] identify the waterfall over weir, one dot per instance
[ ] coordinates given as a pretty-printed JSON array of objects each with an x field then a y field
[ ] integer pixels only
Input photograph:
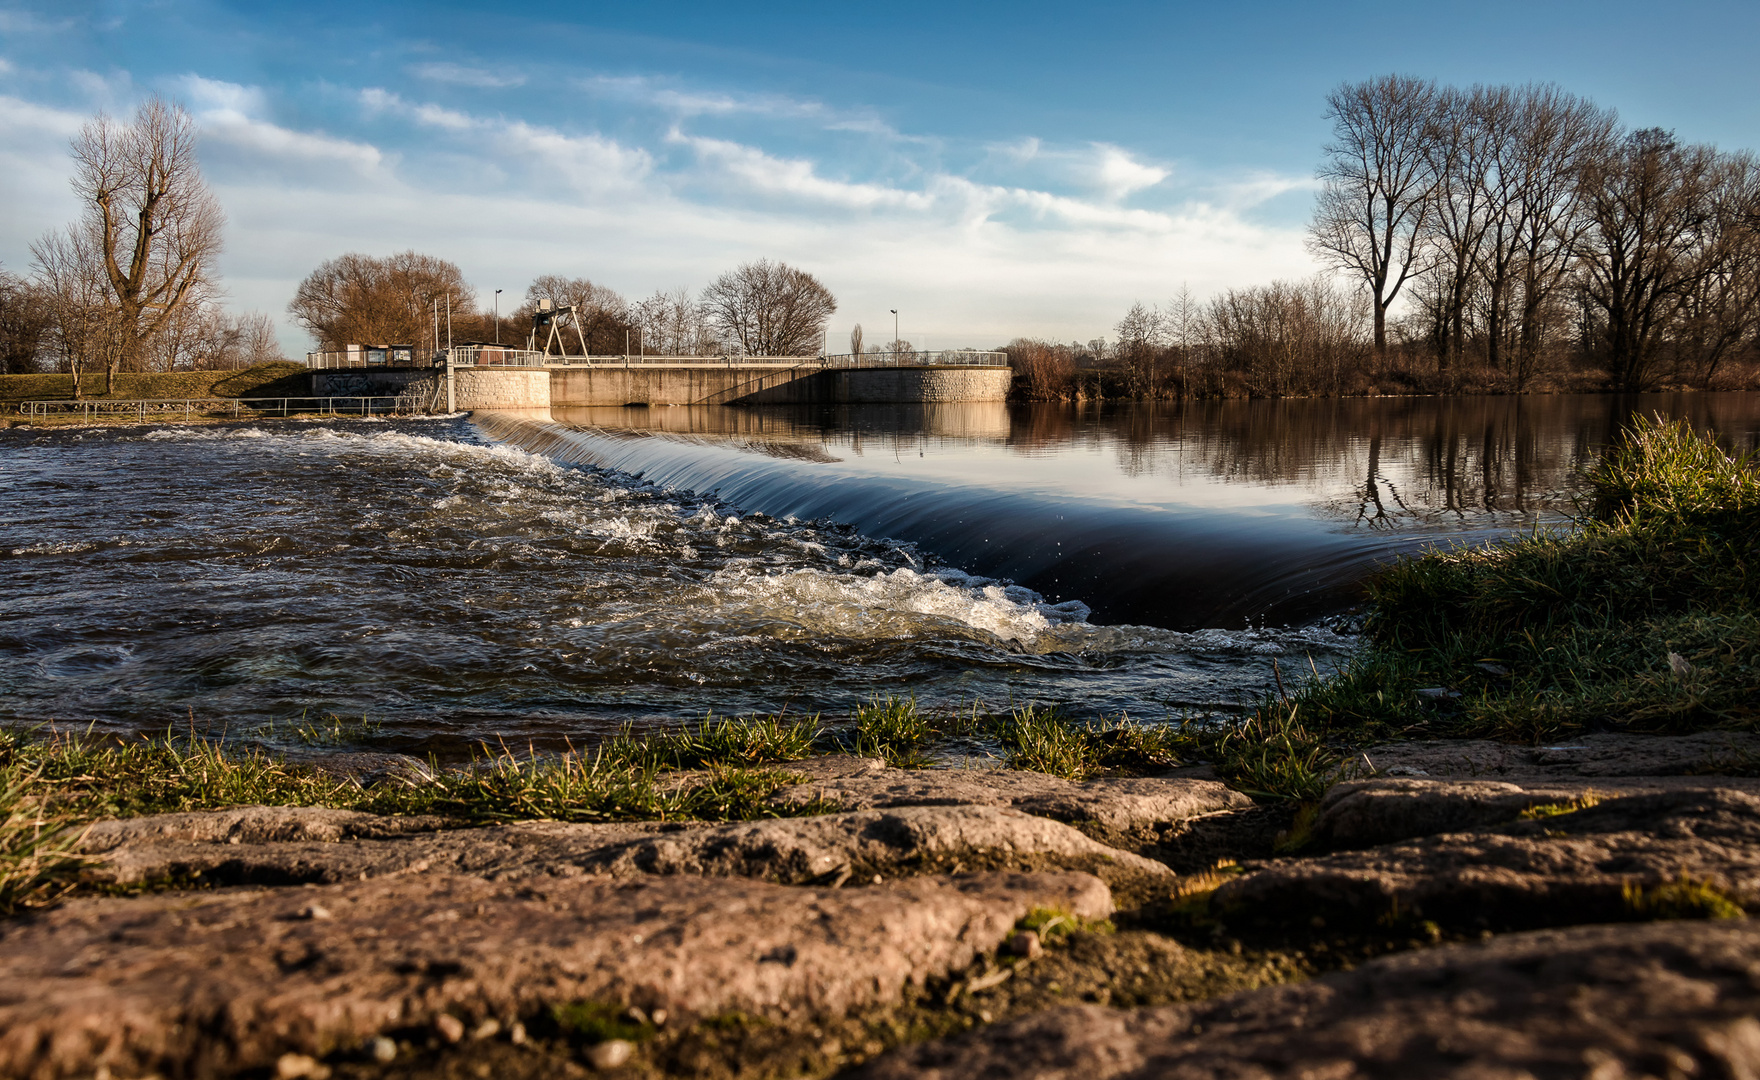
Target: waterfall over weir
[{"x": 946, "y": 479}]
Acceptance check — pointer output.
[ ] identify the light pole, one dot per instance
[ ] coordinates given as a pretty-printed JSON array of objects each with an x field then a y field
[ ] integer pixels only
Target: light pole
[
  {"x": 894, "y": 331},
  {"x": 497, "y": 316}
]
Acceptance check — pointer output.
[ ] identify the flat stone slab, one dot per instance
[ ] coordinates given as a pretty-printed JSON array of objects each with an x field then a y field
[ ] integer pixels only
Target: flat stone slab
[
  {"x": 1602, "y": 1002},
  {"x": 296, "y": 845},
  {"x": 1556, "y": 870},
  {"x": 1601, "y": 755},
  {"x": 1114, "y": 805},
  {"x": 211, "y": 983},
  {"x": 1363, "y": 813}
]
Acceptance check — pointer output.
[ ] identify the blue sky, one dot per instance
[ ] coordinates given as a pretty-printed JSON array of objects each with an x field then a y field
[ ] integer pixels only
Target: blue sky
[{"x": 988, "y": 169}]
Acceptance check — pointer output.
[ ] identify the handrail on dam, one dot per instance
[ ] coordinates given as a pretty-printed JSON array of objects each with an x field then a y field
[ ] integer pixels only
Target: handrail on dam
[{"x": 507, "y": 356}]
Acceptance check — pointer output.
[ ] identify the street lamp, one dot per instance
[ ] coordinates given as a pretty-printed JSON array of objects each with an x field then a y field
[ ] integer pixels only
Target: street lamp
[
  {"x": 497, "y": 316},
  {"x": 894, "y": 330}
]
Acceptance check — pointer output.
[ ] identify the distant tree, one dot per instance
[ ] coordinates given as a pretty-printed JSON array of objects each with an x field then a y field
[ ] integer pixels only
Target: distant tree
[
  {"x": 1460, "y": 161},
  {"x": 769, "y": 309},
  {"x": 605, "y": 317},
  {"x": 26, "y": 324},
  {"x": 1544, "y": 143},
  {"x": 855, "y": 340},
  {"x": 149, "y": 230},
  {"x": 1375, "y": 200},
  {"x": 1043, "y": 370},
  {"x": 670, "y": 324},
  {"x": 357, "y": 299},
  {"x": 1723, "y": 315},
  {"x": 1141, "y": 338},
  {"x": 1652, "y": 218},
  {"x": 85, "y": 322}
]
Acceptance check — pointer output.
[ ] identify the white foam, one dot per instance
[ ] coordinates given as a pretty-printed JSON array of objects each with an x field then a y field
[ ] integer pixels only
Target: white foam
[{"x": 901, "y": 604}]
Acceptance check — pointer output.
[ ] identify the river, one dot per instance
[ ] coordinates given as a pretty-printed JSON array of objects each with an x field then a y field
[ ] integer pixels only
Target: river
[{"x": 548, "y": 579}]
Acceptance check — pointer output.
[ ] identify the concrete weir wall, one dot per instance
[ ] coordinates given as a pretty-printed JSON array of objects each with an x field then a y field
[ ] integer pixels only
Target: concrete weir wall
[
  {"x": 758, "y": 384},
  {"x": 473, "y": 388},
  {"x": 674, "y": 384}
]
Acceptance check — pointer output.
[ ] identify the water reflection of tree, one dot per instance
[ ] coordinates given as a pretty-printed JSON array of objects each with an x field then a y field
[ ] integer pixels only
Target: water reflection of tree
[{"x": 1378, "y": 462}]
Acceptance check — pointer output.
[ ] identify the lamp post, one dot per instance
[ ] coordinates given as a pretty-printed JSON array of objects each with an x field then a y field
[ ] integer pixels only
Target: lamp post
[
  {"x": 894, "y": 331},
  {"x": 497, "y": 316}
]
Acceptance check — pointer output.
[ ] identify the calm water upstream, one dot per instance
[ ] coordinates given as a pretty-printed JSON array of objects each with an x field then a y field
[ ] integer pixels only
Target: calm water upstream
[{"x": 456, "y": 580}]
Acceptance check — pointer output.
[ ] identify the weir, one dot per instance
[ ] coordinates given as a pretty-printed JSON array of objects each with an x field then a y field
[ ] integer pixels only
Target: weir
[
  {"x": 482, "y": 377},
  {"x": 1123, "y": 557}
]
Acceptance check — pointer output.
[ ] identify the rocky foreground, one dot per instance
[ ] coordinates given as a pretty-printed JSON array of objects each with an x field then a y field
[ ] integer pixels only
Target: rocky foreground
[{"x": 1466, "y": 909}]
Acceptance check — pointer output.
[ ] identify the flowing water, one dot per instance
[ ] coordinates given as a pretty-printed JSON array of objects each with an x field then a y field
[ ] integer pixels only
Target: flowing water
[{"x": 547, "y": 577}]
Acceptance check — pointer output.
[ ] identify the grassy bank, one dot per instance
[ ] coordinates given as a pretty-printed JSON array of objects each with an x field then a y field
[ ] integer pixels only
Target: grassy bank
[
  {"x": 1638, "y": 618},
  {"x": 279, "y": 379}
]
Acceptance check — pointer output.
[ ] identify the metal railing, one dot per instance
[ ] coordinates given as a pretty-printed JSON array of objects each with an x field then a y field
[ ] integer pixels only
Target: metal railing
[
  {"x": 929, "y": 358},
  {"x": 156, "y": 408},
  {"x": 373, "y": 358},
  {"x": 508, "y": 356},
  {"x": 919, "y": 358}
]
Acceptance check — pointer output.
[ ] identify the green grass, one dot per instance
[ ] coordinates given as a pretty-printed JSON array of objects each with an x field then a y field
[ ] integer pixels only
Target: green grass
[
  {"x": 279, "y": 379},
  {"x": 744, "y": 740},
  {"x": 1641, "y": 617},
  {"x": 50, "y": 788},
  {"x": 1041, "y": 739}
]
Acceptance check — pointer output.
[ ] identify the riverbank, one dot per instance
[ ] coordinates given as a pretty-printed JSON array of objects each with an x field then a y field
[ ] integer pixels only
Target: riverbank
[{"x": 279, "y": 379}]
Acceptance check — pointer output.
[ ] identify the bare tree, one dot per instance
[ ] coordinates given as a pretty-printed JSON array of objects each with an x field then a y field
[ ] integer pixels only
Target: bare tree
[
  {"x": 1723, "y": 315},
  {"x": 149, "y": 222},
  {"x": 1555, "y": 139},
  {"x": 769, "y": 309},
  {"x": 1460, "y": 159},
  {"x": 855, "y": 340},
  {"x": 607, "y": 321},
  {"x": 1651, "y": 219},
  {"x": 1376, "y": 198},
  {"x": 26, "y": 324},
  {"x": 357, "y": 299},
  {"x": 1141, "y": 337},
  {"x": 669, "y": 324},
  {"x": 84, "y": 315}
]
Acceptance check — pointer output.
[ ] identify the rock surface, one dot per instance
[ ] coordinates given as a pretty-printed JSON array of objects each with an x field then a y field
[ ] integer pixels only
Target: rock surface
[
  {"x": 1109, "y": 806},
  {"x": 212, "y": 983},
  {"x": 1600, "y": 755},
  {"x": 1665, "y": 999},
  {"x": 295, "y": 845},
  {"x": 1556, "y": 870}
]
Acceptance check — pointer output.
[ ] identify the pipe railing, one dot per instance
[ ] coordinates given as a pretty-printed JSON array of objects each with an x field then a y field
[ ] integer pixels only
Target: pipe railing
[
  {"x": 147, "y": 408},
  {"x": 495, "y": 356}
]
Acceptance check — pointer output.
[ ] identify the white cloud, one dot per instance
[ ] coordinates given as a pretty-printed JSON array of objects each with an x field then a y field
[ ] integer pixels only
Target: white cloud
[
  {"x": 795, "y": 178},
  {"x": 461, "y": 75},
  {"x": 1041, "y": 243},
  {"x": 34, "y": 169},
  {"x": 230, "y": 116},
  {"x": 1117, "y": 174}
]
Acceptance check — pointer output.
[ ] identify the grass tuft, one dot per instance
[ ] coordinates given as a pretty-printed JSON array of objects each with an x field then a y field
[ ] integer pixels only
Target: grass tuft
[
  {"x": 1681, "y": 899},
  {"x": 595, "y": 1022}
]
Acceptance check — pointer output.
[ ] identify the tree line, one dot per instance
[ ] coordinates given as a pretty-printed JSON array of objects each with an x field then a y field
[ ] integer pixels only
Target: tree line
[
  {"x": 1482, "y": 238},
  {"x": 761, "y": 308}
]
